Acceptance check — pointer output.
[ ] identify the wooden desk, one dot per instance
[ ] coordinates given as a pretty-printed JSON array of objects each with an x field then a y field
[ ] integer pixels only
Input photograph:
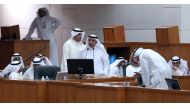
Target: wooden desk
[
  {"x": 22, "y": 91},
  {"x": 184, "y": 81},
  {"x": 76, "y": 91},
  {"x": 144, "y": 95}
]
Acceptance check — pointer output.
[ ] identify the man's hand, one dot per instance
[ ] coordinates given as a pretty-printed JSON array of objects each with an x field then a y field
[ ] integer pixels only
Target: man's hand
[
  {"x": 136, "y": 74},
  {"x": 175, "y": 68}
]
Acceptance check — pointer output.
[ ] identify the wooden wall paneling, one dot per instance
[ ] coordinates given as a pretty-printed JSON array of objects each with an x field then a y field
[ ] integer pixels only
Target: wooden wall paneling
[
  {"x": 182, "y": 97},
  {"x": 32, "y": 91},
  {"x": 85, "y": 95},
  {"x": 133, "y": 95},
  {"x": 7, "y": 49},
  {"x": 9, "y": 92}
]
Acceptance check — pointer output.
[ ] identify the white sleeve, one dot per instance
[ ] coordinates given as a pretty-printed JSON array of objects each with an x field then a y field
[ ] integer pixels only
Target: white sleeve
[
  {"x": 65, "y": 56},
  {"x": 31, "y": 30},
  {"x": 48, "y": 62},
  {"x": 106, "y": 64},
  {"x": 145, "y": 73},
  {"x": 56, "y": 23},
  {"x": 7, "y": 70}
]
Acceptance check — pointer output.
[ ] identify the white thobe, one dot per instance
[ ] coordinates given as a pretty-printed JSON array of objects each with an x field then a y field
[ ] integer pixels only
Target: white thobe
[
  {"x": 29, "y": 74},
  {"x": 101, "y": 61},
  {"x": 70, "y": 51},
  {"x": 116, "y": 71},
  {"x": 131, "y": 69},
  {"x": 15, "y": 76},
  {"x": 154, "y": 69},
  {"x": 10, "y": 68}
]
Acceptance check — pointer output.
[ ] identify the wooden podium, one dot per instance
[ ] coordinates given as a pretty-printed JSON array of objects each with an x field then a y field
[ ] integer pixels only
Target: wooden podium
[
  {"x": 167, "y": 35},
  {"x": 114, "y": 34},
  {"x": 27, "y": 48}
]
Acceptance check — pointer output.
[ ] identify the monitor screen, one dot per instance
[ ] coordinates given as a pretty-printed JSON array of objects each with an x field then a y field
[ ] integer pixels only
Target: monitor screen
[
  {"x": 80, "y": 66},
  {"x": 172, "y": 84},
  {"x": 47, "y": 70}
]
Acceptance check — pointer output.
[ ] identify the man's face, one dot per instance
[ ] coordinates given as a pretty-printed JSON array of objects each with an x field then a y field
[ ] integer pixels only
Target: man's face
[
  {"x": 176, "y": 64},
  {"x": 41, "y": 13},
  {"x": 92, "y": 42},
  {"x": 78, "y": 37},
  {"x": 122, "y": 63},
  {"x": 17, "y": 58},
  {"x": 136, "y": 60}
]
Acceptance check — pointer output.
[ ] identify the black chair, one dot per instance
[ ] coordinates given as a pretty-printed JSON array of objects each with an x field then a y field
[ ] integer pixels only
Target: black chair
[{"x": 48, "y": 70}]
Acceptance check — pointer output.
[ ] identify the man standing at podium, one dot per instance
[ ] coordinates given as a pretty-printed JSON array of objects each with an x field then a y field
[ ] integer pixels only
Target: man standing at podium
[
  {"x": 96, "y": 51},
  {"x": 46, "y": 26}
]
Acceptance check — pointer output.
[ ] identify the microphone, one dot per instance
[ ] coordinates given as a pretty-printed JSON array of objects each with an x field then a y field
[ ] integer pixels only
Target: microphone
[
  {"x": 93, "y": 53},
  {"x": 86, "y": 52}
]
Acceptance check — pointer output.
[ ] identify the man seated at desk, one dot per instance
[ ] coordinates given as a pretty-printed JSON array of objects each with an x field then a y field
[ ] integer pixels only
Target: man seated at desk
[
  {"x": 178, "y": 66},
  {"x": 44, "y": 59},
  {"x": 116, "y": 68},
  {"x": 29, "y": 74},
  {"x": 10, "y": 67},
  {"x": 13, "y": 71}
]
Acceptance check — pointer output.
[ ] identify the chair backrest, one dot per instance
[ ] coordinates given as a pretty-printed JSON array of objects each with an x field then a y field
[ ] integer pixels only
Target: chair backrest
[
  {"x": 62, "y": 75},
  {"x": 48, "y": 70}
]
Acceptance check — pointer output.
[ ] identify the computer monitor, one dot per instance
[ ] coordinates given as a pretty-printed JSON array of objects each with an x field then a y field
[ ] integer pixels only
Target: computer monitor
[
  {"x": 173, "y": 84},
  {"x": 80, "y": 66},
  {"x": 47, "y": 70},
  {"x": 10, "y": 32}
]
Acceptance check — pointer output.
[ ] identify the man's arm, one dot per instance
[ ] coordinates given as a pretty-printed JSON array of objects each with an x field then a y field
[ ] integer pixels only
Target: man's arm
[
  {"x": 31, "y": 30},
  {"x": 56, "y": 23},
  {"x": 65, "y": 56}
]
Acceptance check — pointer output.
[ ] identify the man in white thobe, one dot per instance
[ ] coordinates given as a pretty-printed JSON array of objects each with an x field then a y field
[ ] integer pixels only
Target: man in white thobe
[
  {"x": 71, "y": 47},
  {"x": 178, "y": 66},
  {"x": 46, "y": 26},
  {"x": 29, "y": 74},
  {"x": 17, "y": 57},
  {"x": 44, "y": 59},
  {"x": 116, "y": 68},
  {"x": 9, "y": 68},
  {"x": 154, "y": 68},
  {"x": 96, "y": 51},
  {"x": 16, "y": 73},
  {"x": 14, "y": 68}
]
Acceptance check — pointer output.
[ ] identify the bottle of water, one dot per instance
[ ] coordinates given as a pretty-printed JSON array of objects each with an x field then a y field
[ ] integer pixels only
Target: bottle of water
[
  {"x": 47, "y": 78},
  {"x": 43, "y": 79}
]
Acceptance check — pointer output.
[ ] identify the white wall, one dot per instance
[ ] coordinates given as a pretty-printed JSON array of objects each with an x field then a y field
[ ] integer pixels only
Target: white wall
[{"x": 140, "y": 21}]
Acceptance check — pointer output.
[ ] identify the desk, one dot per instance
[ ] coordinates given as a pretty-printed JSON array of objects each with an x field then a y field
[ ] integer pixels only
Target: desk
[
  {"x": 76, "y": 91},
  {"x": 144, "y": 95},
  {"x": 22, "y": 91},
  {"x": 184, "y": 81}
]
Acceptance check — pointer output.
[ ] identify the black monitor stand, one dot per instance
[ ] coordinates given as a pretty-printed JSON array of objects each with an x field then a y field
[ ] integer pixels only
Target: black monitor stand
[{"x": 80, "y": 72}]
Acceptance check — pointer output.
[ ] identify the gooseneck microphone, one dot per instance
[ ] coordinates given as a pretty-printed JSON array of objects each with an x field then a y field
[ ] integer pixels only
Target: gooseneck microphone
[{"x": 93, "y": 53}]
